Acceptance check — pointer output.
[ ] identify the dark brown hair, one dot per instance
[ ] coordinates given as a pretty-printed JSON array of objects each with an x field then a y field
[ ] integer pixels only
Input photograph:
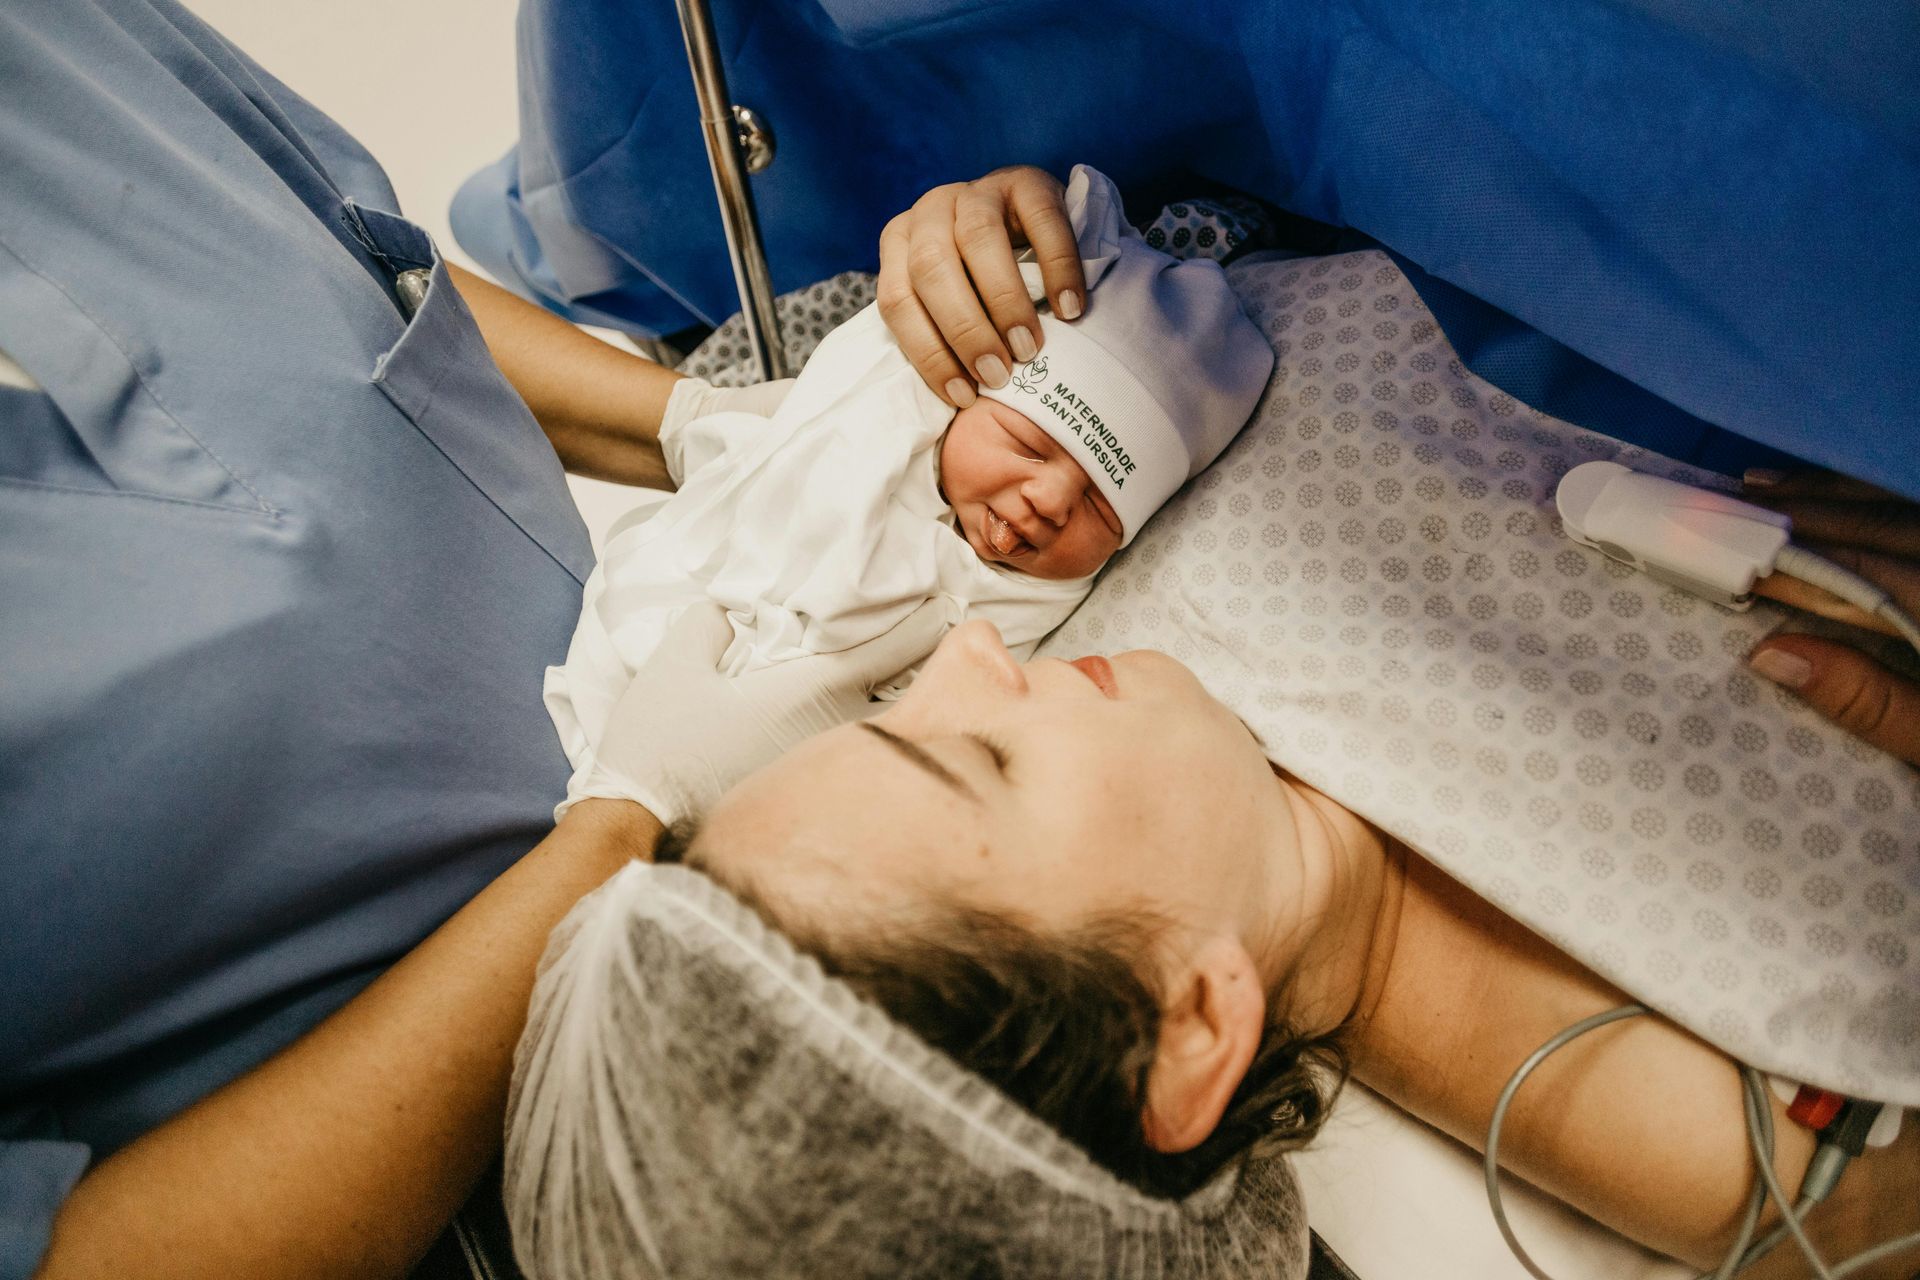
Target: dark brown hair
[{"x": 1067, "y": 1026}]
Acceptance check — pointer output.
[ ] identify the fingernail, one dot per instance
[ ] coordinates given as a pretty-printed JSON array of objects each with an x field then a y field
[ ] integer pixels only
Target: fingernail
[
  {"x": 1068, "y": 308},
  {"x": 1783, "y": 668},
  {"x": 1761, "y": 477},
  {"x": 992, "y": 372},
  {"x": 960, "y": 391},
  {"x": 1022, "y": 343}
]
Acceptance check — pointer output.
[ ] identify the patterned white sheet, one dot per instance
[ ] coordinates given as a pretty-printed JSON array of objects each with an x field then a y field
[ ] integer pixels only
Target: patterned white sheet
[{"x": 1373, "y": 575}]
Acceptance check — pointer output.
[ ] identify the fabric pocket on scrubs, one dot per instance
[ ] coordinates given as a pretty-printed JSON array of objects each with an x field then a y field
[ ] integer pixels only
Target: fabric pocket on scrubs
[
  {"x": 441, "y": 376},
  {"x": 94, "y": 423}
]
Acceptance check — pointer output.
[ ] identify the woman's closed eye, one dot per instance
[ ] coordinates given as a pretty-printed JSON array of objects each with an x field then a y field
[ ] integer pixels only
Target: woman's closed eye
[{"x": 996, "y": 751}]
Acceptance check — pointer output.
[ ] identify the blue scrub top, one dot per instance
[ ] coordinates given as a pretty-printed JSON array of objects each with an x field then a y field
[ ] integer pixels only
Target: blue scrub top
[{"x": 280, "y": 569}]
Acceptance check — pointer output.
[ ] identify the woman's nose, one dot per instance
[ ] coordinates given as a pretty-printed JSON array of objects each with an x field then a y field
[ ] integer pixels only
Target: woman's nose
[{"x": 972, "y": 659}]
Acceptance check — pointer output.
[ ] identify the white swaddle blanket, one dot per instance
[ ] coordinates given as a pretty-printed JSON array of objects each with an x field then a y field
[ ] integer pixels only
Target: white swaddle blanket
[
  {"x": 1374, "y": 577},
  {"x": 818, "y": 529}
]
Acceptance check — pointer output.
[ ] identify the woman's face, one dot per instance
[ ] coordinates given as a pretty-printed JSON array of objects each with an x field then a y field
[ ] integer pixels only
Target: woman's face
[
  {"x": 1020, "y": 499},
  {"x": 1053, "y": 790}
]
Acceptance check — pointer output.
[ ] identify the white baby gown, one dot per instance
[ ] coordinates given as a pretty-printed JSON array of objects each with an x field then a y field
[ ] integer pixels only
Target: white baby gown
[{"x": 818, "y": 529}]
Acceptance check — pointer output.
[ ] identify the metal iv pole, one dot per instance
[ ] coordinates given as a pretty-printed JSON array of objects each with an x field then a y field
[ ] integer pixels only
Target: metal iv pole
[{"x": 739, "y": 142}]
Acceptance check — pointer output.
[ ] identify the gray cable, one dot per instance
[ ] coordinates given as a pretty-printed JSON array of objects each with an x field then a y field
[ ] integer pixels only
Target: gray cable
[
  {"x": 1756, "y": 1090},
  {"x": 1867, "y": 1257},
  {"x": 1492, "y": 1162},
  {"x": 1818, "y": 571},
  {"x": 1766, "y": 1244},
  {"x": 1760, "y": 1139},
  {"x": 1759, "y": 1118},
  {"x": 1739, "y": 1256},
  {"x": 1737, "y": 1252}
]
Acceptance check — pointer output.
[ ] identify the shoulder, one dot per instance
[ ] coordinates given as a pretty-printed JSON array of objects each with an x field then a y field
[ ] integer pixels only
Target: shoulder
[{"x": 1467, "y": 994}]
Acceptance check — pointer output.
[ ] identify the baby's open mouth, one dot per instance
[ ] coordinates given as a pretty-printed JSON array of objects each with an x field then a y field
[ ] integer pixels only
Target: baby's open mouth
[{"x": 1002, "y": 537}]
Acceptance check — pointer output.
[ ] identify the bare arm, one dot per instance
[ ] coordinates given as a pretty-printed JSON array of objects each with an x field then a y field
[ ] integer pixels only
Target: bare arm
[
  {"x": 600, "y": 406},
  {"x": 345, "y": 1154},
  {"x": 1638, "y": 1124}
]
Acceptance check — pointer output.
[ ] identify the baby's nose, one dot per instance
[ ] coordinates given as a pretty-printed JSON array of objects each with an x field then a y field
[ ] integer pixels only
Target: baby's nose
[{"x": 1052, "y": 494}]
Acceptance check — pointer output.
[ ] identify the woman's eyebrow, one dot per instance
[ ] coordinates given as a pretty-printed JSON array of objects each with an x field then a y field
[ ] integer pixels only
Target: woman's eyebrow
[{"x": 918, "y": 754}]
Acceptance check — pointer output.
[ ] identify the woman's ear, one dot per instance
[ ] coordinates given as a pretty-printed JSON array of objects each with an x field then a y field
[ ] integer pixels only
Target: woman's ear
[{"x": 1210, "y": 1027}]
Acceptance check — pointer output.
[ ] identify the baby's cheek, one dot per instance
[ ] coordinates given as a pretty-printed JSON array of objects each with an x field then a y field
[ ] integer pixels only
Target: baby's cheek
[
  {"x": 1079, "y": 554},
  {"x": 963, "y": 475},
  {"x": 962, "y": 481},
  {"x": 972, "y": 455},
  {"x": 1101, "y": 542}
]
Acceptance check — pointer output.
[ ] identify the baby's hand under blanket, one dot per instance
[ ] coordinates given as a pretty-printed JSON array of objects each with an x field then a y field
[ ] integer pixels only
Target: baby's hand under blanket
[
  {"x": 1876, "y": 534},
  {"x": 682, "y": 734}
]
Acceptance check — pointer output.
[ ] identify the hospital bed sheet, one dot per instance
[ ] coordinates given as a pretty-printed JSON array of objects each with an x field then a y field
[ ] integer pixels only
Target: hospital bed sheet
[
  {"x": 1374, "y": 577},
  {"x": 1372, "y": 1152}
]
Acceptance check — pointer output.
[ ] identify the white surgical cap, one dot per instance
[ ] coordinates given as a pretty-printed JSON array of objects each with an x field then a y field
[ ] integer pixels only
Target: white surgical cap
[{"x": 695, "y": 1098}]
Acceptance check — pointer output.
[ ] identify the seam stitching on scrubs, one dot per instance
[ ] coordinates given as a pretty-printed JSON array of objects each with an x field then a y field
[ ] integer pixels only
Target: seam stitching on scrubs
[
  {"x": 482, "y": 490},
  {"x": 140, "y": 495},
  {"x": 140, "y": 379},
  {"x": 437, "y": 371}
]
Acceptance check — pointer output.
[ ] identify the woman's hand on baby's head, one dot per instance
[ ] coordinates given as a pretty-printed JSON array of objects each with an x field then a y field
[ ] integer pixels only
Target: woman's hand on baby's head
[{"x": 949, "y": 286}]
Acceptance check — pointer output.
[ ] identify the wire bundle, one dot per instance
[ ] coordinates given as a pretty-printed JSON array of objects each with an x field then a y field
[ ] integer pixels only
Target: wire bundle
[{"x": 1829, "y": 1161}]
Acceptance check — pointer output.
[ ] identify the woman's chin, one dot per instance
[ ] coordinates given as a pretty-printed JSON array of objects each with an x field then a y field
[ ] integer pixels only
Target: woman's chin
[{"x": 1149, "y": 673}]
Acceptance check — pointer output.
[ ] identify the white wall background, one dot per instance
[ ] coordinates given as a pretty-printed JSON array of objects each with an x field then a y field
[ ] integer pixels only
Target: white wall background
[{"x": 426, "y": 85}]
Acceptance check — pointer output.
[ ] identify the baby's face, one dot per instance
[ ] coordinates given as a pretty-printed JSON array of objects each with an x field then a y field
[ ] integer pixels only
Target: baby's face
[{"x": 1020, "y": 498}]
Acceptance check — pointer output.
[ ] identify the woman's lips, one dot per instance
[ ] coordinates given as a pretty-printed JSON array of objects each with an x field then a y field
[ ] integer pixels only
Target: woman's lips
[
  {"x": 1002, "y": 537},
  {"x": 1098, "y": 670}
]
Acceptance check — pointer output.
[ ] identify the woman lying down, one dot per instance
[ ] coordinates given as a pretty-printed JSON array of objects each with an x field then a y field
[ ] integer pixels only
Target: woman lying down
[
  {"x": 1037, "y": 971},
  {"x": 1085, "y": 882}
]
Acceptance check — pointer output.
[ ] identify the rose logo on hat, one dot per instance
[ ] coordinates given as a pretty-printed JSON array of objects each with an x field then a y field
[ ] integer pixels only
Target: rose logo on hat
[{"x": 1027, "y": 377}]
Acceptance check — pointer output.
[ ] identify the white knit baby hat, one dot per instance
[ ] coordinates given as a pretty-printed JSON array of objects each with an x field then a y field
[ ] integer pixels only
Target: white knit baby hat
[{"x": 1158, "y": 375}]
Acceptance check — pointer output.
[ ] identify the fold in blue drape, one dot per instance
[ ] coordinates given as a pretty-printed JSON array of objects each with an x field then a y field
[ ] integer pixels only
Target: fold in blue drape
[{"x": 1656, "y": 214}]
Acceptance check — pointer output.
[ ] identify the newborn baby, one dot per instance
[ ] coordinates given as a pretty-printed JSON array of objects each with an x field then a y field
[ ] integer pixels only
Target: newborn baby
[
  {"x": 1020, "y": 498},
  {"x": 864, "y": 495}
]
